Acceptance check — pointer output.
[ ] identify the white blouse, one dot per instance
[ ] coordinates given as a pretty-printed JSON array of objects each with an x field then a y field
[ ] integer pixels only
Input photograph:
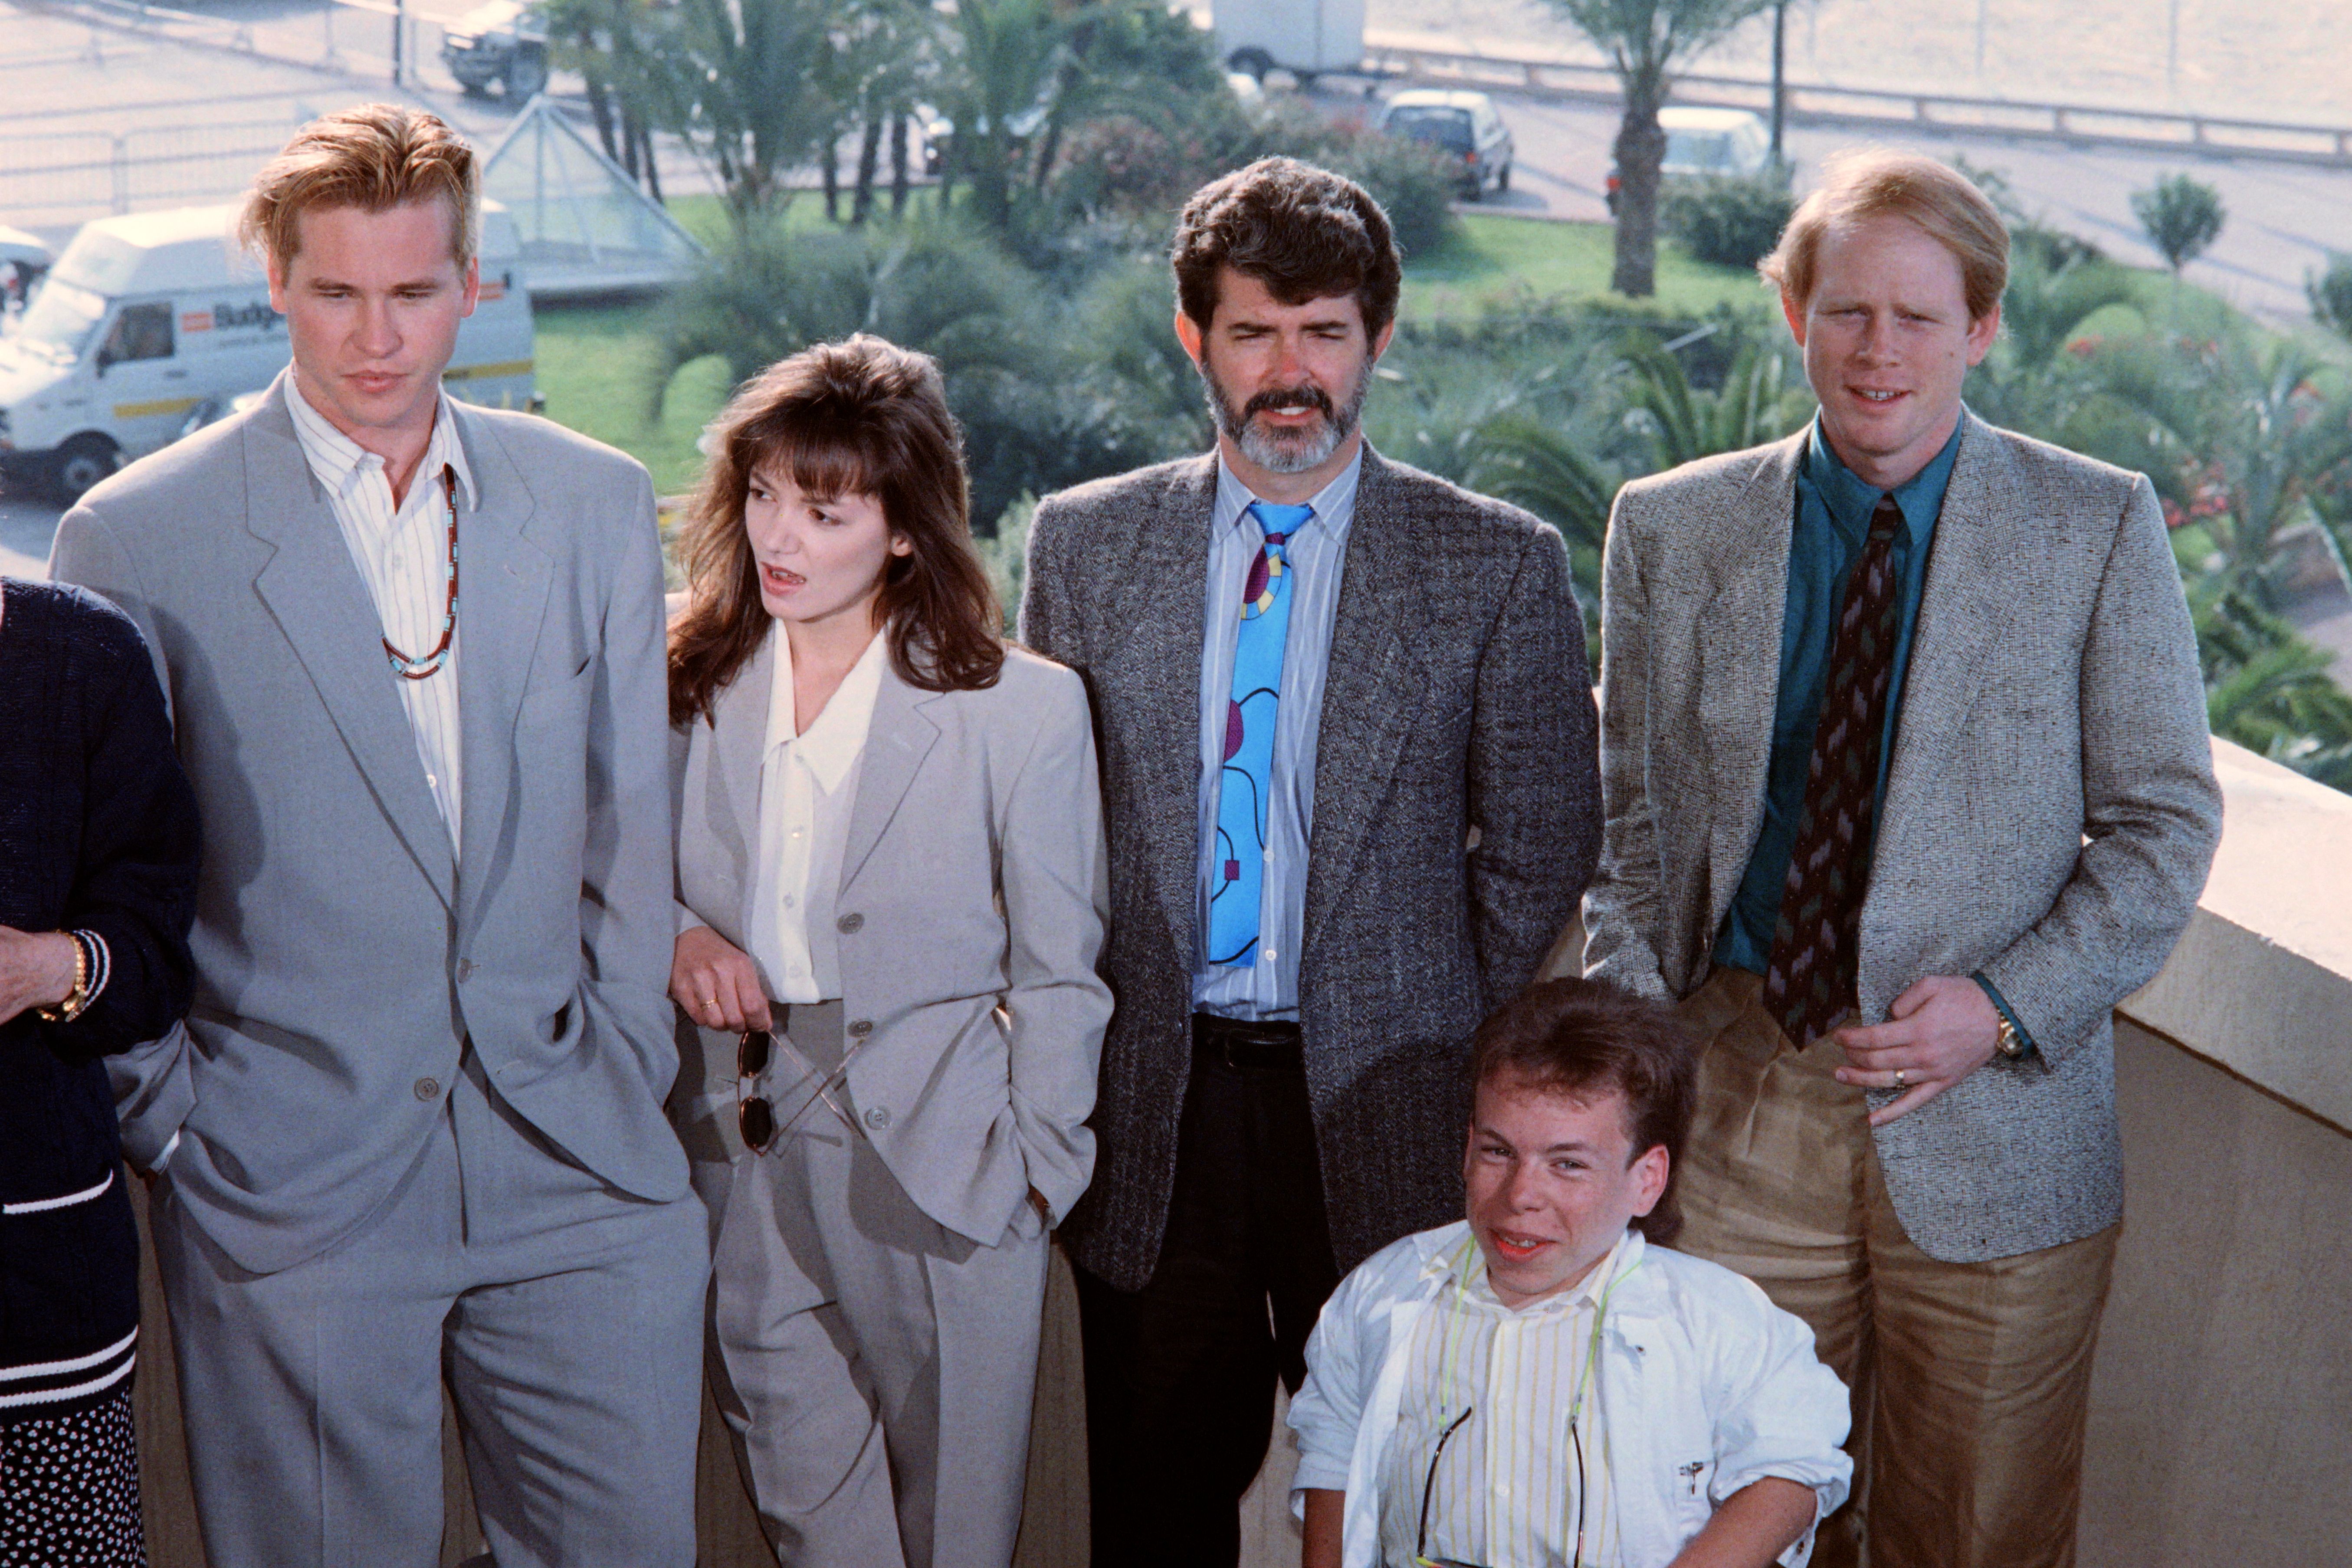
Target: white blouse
[{"x": 808, "y": 786}]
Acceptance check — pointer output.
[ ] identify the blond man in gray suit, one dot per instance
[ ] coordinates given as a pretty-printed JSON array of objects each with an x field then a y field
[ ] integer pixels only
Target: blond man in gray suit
[
  {"x": 413, "y": 1131},
  {"x": 1907, "y": 783}
]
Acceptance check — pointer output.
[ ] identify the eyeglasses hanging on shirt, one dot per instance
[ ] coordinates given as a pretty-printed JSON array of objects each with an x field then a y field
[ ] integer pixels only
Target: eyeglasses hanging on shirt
[{"x": 417, "y": 668}]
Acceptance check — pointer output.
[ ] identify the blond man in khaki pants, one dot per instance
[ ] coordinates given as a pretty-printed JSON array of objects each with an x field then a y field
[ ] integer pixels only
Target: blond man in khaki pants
[{"x": 1907, "y": 783}]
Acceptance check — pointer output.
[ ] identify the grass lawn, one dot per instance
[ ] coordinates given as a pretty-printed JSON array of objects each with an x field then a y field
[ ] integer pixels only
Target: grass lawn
[
  {"x": 595, "y": 361},
  {"x": 1492, "y": 256}
]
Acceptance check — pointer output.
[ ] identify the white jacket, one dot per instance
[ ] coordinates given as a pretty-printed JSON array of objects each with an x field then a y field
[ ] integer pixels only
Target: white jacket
[{"x": 1698, "y": 1369}]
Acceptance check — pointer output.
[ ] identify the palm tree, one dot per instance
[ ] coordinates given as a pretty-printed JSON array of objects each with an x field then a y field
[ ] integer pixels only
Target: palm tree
[
  {"x": 2035, "y": 379},
  {"x": 1755, "y": 404},
  {"x": 1646, "y": 41},
  {"x": 2239, "y": 435}
]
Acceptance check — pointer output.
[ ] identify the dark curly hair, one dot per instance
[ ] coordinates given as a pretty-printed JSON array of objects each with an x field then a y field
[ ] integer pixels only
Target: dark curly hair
[
  {"x": 1588, "y": 1037},
  {"x": 862, "y": 417},
  {"x": 1305, "y": 233}
]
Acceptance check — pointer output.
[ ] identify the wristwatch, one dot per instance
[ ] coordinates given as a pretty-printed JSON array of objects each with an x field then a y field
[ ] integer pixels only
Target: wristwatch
[{"x": 2010, "y": 1044}]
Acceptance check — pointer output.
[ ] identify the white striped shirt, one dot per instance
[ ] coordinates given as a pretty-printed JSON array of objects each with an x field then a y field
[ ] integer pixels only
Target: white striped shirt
[
  {"x": 403, "y": 554},
  {"x": 1506, "y": 1486}
]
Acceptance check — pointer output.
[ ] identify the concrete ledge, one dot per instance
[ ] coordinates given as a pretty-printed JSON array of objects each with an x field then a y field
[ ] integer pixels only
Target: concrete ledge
[{"x": 2261, "y": 982}]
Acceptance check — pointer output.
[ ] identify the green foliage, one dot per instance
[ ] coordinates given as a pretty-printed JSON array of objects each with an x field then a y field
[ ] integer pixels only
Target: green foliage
[
  {"x": 2182, "y": 216},
  {"x": 1726, "y": 219},
  {"x": 1135, "y": 169},
  {"x": 1756, "y": 403},
  {"x": 2039, "y": 373},
  {"x": 2268, "y": 689},
  {"x": 2330, "y": 293},
  {"x": 1041, "y": 406}
]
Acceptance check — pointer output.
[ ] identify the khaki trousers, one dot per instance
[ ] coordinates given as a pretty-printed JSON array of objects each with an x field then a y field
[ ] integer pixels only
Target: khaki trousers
[{"x": 1970, "y": 1381}]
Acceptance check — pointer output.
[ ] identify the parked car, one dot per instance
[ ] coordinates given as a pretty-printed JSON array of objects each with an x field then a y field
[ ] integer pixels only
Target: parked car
[
  {"x": 1306, "y": 37},
  {"x": 1708, "y": 142},
  {"x": 1464, "y": 128},
  {"x": 503, "y": 43}
]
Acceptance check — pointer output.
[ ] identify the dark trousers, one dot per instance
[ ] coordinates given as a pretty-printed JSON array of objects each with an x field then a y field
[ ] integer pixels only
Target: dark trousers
[{"x": 1180, "y": 1374}]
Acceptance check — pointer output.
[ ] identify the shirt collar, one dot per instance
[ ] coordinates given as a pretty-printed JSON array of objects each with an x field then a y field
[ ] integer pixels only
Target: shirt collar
[
  {"x": 338, "y": 462},
  {"x": 1335, "y": 500},
  {"x": 830, "y": 746},
  {"x": 1850, "y": 501},
  {"x": 1466, "y": 1266}
]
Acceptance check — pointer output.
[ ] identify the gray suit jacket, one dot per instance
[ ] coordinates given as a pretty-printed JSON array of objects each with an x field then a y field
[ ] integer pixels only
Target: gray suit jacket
[
  {"x": 344, "y": 955},
  {"x": 2050, "y": 808},
  {"x": 1458, "y": 698},
  {"x": 973, "y": 892}
]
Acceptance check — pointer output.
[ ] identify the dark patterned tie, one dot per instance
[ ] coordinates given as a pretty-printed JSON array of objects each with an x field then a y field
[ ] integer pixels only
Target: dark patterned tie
[{"x": 1809, "y": 981}]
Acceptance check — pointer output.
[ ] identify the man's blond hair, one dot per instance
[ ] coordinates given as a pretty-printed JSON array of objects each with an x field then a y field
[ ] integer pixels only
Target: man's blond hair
[
  {"x": 1941, "y": 201},
  {"x": 375, "y": 157}
]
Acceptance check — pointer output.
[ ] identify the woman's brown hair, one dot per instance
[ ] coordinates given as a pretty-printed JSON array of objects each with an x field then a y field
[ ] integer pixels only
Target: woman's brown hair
[{"x": 861, "y": 417}]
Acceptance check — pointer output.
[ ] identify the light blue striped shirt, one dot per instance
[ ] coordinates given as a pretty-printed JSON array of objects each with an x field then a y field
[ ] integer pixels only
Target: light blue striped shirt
[{"x": 1318, "y": 553}]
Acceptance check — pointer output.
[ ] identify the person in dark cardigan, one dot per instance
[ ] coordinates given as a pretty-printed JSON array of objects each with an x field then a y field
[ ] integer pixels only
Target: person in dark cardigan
[{"x": 98, "y": 878}]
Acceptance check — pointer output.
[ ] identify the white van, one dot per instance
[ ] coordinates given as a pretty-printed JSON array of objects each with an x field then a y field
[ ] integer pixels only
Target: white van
[{"x": 150, "y": 325}]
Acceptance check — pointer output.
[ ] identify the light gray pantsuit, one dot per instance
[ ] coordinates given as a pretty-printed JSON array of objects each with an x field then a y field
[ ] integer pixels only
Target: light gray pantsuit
[
  {"x": 880, "y": 1269},
  {"x": 872, "y": 1360}
]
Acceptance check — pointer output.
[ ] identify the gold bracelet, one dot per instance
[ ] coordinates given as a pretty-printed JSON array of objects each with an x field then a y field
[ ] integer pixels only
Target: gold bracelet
[{"x": 67, "y": 1011}]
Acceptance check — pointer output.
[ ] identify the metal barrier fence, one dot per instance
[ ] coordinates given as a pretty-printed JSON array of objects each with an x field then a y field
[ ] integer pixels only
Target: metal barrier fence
[
  {"x": 51, "y": 179},
  {"x": 2209, "y": 135}
]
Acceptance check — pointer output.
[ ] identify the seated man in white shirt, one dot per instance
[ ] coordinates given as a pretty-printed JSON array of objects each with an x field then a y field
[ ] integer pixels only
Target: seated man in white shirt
[{"x": 1546, "y": 1385}]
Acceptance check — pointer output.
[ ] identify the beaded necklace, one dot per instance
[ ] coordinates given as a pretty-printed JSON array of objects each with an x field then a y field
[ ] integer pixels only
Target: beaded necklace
[{"x": 409, "y": 668}]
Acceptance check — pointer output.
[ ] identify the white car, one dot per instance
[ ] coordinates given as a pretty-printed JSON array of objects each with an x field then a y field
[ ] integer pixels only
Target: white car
[{"x": 1700, "y": 142}]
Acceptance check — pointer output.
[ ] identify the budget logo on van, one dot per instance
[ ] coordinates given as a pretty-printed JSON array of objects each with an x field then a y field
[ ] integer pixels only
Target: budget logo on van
[
  {"x": 256, "y": 313},
  {"x": 196, "y": 322}
]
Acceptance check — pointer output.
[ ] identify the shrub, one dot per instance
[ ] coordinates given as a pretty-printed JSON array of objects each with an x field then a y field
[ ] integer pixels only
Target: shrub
[
  {"x": 2181, "y": 215},
  {"x": 1727, "y": 219},
  {"x": 2331, "y": 294}
]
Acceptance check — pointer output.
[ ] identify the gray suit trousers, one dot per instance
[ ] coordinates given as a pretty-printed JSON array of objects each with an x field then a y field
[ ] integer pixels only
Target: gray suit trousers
[
  {"x": 565, "y": 1314},
  {"x": 875, "y": 1368}
]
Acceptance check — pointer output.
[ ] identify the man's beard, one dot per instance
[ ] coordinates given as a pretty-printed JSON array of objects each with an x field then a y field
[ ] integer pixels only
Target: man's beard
[{"x": 1287, "y": 451}]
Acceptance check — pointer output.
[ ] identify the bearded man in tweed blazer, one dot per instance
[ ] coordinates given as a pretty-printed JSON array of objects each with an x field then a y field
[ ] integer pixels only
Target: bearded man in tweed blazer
[
  {"x": 1334, "y": 843},
  {"x": 1908, "y": 785}
]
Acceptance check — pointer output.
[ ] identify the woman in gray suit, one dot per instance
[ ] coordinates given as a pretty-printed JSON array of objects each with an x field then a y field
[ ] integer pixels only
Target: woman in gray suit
[{"x": 892, "y": 888}]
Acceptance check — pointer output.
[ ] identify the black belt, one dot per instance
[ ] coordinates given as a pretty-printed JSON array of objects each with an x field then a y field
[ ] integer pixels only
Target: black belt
[{"x": 1241, "y": 1043}]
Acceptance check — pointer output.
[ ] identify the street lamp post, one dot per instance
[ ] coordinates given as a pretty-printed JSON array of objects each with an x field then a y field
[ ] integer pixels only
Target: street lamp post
[{"x": 1780, "y": 74}]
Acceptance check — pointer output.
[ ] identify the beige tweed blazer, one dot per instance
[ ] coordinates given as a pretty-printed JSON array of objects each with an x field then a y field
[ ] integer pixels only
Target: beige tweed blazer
[{"x": 2050, "y": 814}]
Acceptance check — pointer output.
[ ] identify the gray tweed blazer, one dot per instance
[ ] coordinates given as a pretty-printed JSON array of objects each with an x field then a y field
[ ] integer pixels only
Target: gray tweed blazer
[
  {"x": 1458, "y": 698},
  {"x": 2050, "y": 808}
]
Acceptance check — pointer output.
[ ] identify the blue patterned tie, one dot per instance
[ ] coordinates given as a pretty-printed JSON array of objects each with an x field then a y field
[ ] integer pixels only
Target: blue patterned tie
[{"x": 1238, "y": 875}]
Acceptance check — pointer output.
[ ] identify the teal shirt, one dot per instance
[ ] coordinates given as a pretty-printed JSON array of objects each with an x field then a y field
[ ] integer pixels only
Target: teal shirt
[{"x": 1833, "y": 511}]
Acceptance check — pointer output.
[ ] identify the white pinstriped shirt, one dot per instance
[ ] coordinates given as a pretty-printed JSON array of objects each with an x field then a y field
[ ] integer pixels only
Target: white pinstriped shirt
[
  {"x": 1506, "y": 1485},
  {"x": 403, "y": 554}
]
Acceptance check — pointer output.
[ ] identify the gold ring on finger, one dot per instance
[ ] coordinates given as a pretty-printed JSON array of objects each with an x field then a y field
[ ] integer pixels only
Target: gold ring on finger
[{"x": 1902, "y": 1080}]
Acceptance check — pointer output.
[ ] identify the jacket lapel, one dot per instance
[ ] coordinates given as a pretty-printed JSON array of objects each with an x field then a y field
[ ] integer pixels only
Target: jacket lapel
[
  {"x": 1161, "y": 612},
  {"x": 314, "y": 592},
  {"x": 1372, "y": 693},
  {"x": 1972, "y": 570},
  {"x": 899, "y": 737},
  {"x": 502, "y": 588},
  {"x": 1739, "y": 662}
]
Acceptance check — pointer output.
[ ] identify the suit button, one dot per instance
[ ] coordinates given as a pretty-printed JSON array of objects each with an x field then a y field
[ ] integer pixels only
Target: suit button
[
  {"x": 877, "y": 1119},
  {"x": 861, "y": 1027},
  {"x": 426, "y": 1089},
  {"x": 848, "y": 923},
  {"x": 465, "y": 969}
]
